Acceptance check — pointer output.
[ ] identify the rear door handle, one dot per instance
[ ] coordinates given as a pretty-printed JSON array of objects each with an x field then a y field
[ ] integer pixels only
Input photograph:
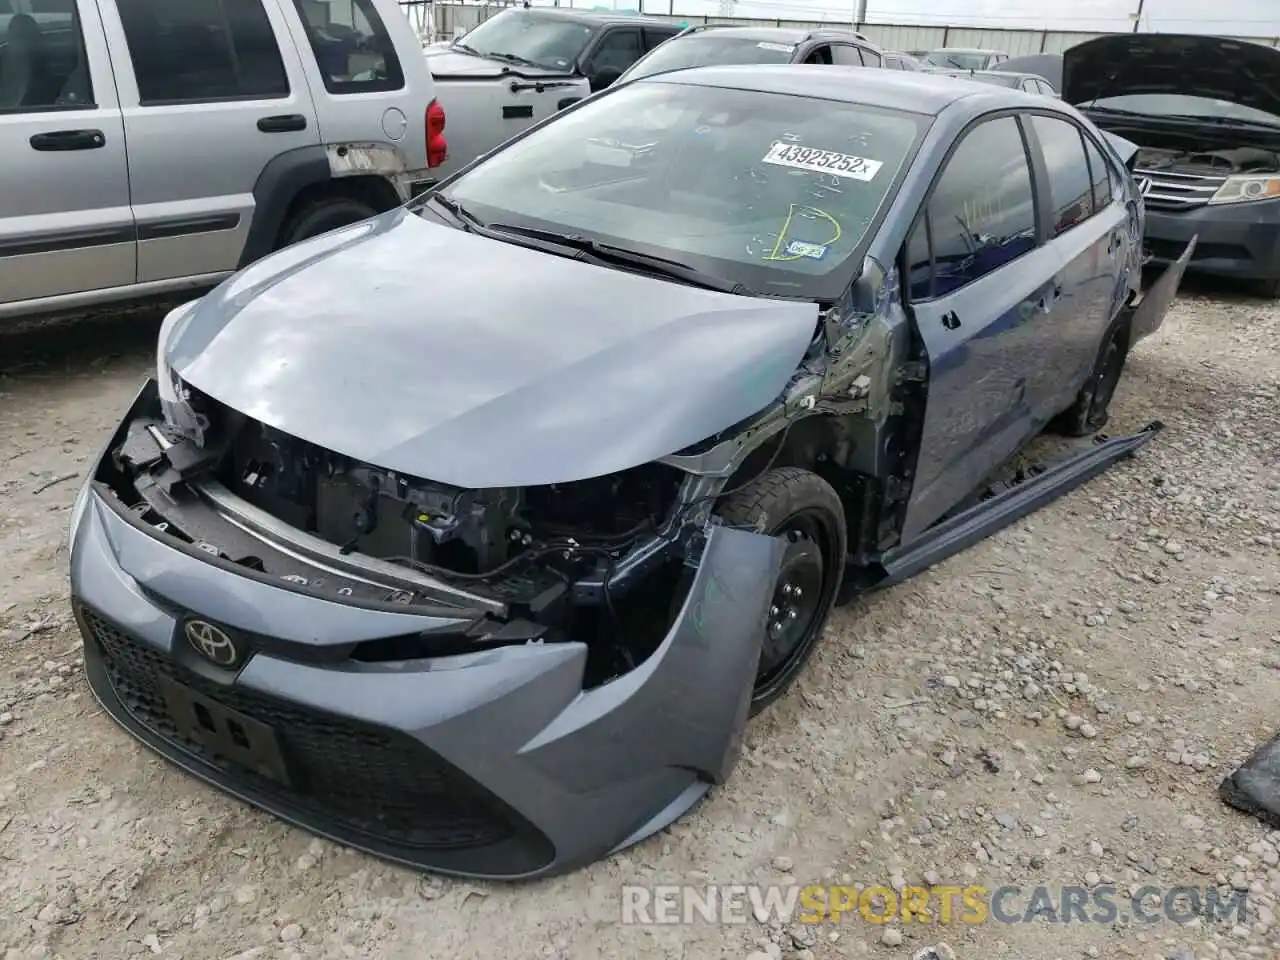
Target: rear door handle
[
  {"x": 287, "y": 123},
  {"x": 69, "y": 140}
]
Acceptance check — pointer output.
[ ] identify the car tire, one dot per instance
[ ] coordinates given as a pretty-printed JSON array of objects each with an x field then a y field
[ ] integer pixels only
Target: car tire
[
  {"x": 1091, "y": 409},
  {"x": 321, "y": 216},
  {"x": 1269, "y": 289},
  {"x": 801, "y": 507}
]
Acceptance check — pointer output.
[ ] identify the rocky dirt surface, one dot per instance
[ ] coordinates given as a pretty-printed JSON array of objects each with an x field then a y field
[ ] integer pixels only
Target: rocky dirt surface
[{"x": 1056, "y": 706}]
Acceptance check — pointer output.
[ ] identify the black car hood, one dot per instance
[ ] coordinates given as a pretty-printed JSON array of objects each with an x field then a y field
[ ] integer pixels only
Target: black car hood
[
  {"x": 1232, "y": 70},
  {"x": 444, "y": 355}
]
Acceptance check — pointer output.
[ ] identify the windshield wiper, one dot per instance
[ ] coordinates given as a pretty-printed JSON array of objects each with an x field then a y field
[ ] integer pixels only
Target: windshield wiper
[
  {"x": 459, "y": 45},
  {"x": 603, "y": 253},
  {"x": 512, "y": 58},
  {"x": 469, "y": 221}
]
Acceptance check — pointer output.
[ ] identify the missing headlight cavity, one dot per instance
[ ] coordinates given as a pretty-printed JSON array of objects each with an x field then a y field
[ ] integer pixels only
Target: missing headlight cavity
[{"x": 599, "y": 560}]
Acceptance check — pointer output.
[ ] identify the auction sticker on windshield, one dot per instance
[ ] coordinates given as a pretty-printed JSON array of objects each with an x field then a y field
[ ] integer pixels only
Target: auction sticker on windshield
[
  {"x": 822, "y": 161},
  {"x": 776, "y": 47}
]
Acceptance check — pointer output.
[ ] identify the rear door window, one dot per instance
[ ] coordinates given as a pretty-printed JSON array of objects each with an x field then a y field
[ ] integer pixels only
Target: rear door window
[
  {"x": 846, "y": 55},
  {"x": 1070, "y": 192},
  {"x": 351, "y": 45},
  {"x": 1101, "y": 173},
  {"x": 618, "y": 49},
  {"x": 871, "y": 58},
  {"x": 655, "y": 35},
  {"x": 42, "y": 61},
  {"x": 981, "y": 214},
  {"x": 200, "y": 50}
]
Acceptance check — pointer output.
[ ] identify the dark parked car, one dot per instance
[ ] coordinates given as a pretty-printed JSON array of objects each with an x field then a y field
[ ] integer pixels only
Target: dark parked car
[
  {"x": 1047, "y": 66},
  {"x": 472, "y": 534},
  {"x": 713, "y": 45},
  {"x": 1206, "y": 113},
  {"x": 1026, "y": 82}
]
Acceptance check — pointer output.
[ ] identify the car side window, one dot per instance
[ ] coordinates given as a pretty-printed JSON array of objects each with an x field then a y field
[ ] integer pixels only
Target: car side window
[
  {"x": 871, "y": 58},
  {"x": 845, "y": 55},
  {"x": 618, "y": 49},
  {"x": 654, "y": 36},
  {"x": 981, "y": 212},
  {"x": 202, "y": 50},
  {"x": 1070, "y": 192},
  {"x": 351, "y": 45},
  {"x": 43, "y": 65},
  {"x": 919, "y": 260},
  {"x": 819, "y": 54},
  {"x": 1100, "y": 173}
]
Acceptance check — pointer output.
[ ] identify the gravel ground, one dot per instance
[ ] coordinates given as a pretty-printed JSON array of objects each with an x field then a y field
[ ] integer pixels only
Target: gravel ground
[{"x": 1055, "y": 706}]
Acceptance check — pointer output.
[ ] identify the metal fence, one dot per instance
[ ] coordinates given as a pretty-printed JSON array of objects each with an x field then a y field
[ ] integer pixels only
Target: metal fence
[{"x": 444, "y": 21}]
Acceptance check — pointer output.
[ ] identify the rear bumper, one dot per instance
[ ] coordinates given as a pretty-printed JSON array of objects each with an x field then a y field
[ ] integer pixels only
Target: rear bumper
[
  {"x": 1236, "y": 240},
  {"x": 492, "y": 764}
]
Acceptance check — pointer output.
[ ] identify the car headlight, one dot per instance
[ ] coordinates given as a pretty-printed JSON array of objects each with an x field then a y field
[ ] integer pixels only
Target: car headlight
[
  {"x": 169, "y": 385},
  {"x": 1243, "y": 188}
]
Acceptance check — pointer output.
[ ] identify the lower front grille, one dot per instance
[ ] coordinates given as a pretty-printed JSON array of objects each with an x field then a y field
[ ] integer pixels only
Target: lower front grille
[{"x": 370, "y": 780}]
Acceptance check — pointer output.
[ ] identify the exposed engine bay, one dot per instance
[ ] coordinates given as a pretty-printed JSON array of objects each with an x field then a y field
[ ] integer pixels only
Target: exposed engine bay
[
  {"x": 602, "y": 557},
  {"x": 1210, "y": 162}
]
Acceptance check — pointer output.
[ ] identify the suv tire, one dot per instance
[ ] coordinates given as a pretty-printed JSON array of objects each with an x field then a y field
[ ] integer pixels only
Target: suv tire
[{"x": 321, "y": 216}]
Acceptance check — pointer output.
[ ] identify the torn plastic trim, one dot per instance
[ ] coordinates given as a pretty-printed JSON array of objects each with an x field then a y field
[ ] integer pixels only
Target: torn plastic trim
[{"x": 980, "y": 521}]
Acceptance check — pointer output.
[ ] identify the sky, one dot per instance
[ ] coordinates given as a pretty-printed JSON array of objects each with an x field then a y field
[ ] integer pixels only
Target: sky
[{"x": 1228, "y": 17}]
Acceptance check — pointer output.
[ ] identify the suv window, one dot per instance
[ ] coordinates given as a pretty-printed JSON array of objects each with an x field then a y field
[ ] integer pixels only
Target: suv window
[
  {"x": 845, "y": 55},
  {"x": 43, "y": 64},
  {"x": 202, "y": 50},
  {"x": 981, "y": 214},
  {"x": 871, "y": 58},
  {"x": 351, "y": 46},
  {"x": 819, "y": 54},
  {"x": 656, "y": 35},
  {"x": 618, "y": 49},
  {"x": 1070, "y": 193}
]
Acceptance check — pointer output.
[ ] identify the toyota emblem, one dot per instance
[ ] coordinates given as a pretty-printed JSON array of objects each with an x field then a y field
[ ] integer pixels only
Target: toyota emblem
[{"x": 212, "y": 643}]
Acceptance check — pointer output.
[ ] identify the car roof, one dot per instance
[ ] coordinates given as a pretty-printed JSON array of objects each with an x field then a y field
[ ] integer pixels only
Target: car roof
[
  {"x": 908, "y": 91},
  {"x": 788, "y": 34},
  {"x": 596, "y": 17}
]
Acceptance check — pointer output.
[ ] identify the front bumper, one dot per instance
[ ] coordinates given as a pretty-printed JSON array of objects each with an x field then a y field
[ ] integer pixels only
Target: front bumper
[
  {"x": 1236, "y": 240},
  {"x": 492, "y": 764}
]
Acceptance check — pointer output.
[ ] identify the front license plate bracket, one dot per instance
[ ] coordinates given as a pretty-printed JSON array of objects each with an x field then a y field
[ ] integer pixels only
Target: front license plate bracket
[{"x": 228, "y": 733}]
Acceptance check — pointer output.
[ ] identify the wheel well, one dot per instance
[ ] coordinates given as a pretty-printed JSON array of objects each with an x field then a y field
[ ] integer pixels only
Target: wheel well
[{"x": 373, "y": 190}]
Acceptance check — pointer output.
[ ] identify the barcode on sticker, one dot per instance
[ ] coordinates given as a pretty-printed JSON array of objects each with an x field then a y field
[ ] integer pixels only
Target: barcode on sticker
[{"x": 822, "y": 161}]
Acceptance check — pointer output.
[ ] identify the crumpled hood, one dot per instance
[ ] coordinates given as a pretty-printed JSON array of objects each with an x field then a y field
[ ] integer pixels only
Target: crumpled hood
[
  {"x": 1233, "y": 70},
  {"x": 445, "y": 62},
  {"x": 448, "y": 356}
]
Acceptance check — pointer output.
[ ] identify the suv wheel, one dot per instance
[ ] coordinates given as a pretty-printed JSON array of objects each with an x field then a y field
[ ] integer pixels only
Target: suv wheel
[{"x": 321, "y": 216}]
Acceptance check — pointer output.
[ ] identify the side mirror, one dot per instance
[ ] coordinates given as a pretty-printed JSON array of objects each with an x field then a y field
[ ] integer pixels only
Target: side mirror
[{"x": 604, "y": 77}]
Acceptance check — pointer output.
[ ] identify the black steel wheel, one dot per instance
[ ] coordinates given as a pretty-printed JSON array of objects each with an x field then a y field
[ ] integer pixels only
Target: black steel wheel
[
  {"x": 802, "y": 509},
  {"x": 1091, "y": 409}
]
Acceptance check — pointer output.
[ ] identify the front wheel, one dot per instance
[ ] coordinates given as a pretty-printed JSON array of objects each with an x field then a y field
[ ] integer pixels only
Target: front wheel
[
  {"x": 806, "y": 512},
  {"x": 1091, "y": 409}
]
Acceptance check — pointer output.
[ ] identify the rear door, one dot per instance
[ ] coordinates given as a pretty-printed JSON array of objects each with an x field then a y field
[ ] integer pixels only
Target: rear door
[
  {"x": 368, "y": 77},
  {"x": 65, "y": 222},
  {"x": 211, "y": 90},
  {"x": 1090, "y": 233},
  {"x": 979, "y": 287}
]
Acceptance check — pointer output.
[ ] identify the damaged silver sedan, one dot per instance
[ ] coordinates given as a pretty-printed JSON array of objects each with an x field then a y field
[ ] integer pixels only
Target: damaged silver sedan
[{"x": 471, "y": 535}]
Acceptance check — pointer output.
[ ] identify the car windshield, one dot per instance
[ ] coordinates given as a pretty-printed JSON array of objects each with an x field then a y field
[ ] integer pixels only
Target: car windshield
[
  {"x": 771, "y": 191},
  {"x": 702, "y": 50},
  {"x": 529, "y": 36},
  {"x": 957, "y": 58},
  {"x": 1173, "y": 104}
]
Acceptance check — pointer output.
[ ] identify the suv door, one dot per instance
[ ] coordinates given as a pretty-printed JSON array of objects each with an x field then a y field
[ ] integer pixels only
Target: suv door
[
  {"x": 979, "y": 286},
  {"x": 1091, "y": 237},
  {"x": 615, "y": 50},
  {"x": 364, "y": 91},
  {"x": 212, "y": 91},
  {"x": 65, "y": 222}
]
